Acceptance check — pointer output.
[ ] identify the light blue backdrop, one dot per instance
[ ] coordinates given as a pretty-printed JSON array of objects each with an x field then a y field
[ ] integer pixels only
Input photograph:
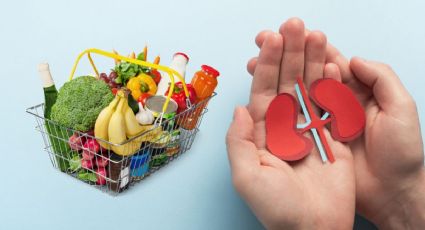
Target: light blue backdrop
[{"x": 194, "y": 192}]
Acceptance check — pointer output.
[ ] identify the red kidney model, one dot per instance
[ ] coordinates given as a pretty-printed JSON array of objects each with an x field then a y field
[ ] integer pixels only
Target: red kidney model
[{"x": 287, "y": 142}]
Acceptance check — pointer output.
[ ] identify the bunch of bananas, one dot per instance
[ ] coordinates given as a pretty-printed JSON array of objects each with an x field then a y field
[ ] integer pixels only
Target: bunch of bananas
[{"x": 117, "y": 124}]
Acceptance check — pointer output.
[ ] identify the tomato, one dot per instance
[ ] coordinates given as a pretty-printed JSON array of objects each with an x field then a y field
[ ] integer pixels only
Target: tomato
[
  {"x": 114, "y": 91},
  {"x": 143, "y": 97}
]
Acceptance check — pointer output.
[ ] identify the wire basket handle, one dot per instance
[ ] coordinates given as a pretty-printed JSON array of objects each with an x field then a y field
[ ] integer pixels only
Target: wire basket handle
[{"x": 171, "y": 72}]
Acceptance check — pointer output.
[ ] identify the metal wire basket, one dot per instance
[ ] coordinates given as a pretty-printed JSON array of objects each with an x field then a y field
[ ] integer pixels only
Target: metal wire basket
[{"x": 160, "y": 146}]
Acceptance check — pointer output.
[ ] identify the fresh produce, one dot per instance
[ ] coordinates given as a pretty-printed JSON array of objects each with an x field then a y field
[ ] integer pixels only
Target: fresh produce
[
  {"x": 76, "y": 142},
  {"x": 80, "y": 101},
  {"x": 117, "y": 124},
  {"x": 86, "y": 164},
  {"x": 143, "y": 83},
  {"x": 101, "y": 161},
  {"x": 102, "y": 122},
  {"x": 144, "y": 117},
  {"x": 179, "y": 96},
  {"x": 91, "y": 145},
  {"x": 125, "y": 70},
  {"x": 156, "y": 75},
  {"x": 101, "y": 176},
  {"x": 110, "y": 80},
  {"x": 143, "y": 97}
]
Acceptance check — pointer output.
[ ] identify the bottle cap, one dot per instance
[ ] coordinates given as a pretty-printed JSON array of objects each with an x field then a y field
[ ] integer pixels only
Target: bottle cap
[
  {"x": 182, "y": 54},
  {"x": 210, "y": 70},
  {"x": 43, "y": 67}
]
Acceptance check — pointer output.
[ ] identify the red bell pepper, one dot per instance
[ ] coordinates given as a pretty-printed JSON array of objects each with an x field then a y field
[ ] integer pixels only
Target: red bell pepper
[
  {"x": 180, "y": 98},
  {"x": 156, "y": 75}
]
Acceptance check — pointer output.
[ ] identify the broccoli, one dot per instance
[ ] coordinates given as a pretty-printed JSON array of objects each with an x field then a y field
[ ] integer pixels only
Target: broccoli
[{"x": 80, "y": 101}]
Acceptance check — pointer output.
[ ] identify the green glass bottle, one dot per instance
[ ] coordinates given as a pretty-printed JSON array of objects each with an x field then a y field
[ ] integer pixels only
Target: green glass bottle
[{"x": 57, "y": 135}]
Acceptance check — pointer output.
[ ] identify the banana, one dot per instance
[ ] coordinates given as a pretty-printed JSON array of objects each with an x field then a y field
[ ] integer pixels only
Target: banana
[
  {"x": 102, "y": 122},
  {"x": 117, "y": 124},
  {"x": 131, "y": 125},
  {"x": 116, "y": 130}
]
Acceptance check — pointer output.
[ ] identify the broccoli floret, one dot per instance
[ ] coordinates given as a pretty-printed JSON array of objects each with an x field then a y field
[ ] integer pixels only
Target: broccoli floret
[{"x": 80, "y": 101}]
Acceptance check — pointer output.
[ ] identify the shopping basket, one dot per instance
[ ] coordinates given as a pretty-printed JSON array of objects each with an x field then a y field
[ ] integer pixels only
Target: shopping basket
[{"x": 168, "y": 138}]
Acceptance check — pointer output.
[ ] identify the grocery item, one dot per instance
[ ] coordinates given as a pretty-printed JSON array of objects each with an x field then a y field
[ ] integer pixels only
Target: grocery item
[
  {"x": 144, "y": 117},
  {"x": 117, "y": 124},
  {"x": 143, "y": 83},
  {"x": 173, "y": 147},
  {"x": 180, "y": 98},
  {"x": 102, "y": 123},
  {"x": 60, "y": 149},
  {"x": 155, "y": 103},
  {"x": 178, "y": 63},
  {"x": 130, "y": 137},
  {"x": 139, "y": 164},
  {"x": 205, "y": 81},
  {"x": 119, "y": 169},
  {"x": 80, "y": 101}
]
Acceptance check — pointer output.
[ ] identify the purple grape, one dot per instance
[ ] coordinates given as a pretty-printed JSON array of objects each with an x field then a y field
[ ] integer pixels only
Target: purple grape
[
  {"x": 112, "y": 84},
  {"x": 104, "y": 78},
  {"x": 113, "y": 75}
]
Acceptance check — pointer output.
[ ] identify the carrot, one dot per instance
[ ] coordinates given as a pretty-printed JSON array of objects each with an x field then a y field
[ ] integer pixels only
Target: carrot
[
  {"x": 156, "y": 61},
  {"x": 145, "y": 52},
  {"x": 116, "y": 60},
  {"x": 133, "y": 55}
]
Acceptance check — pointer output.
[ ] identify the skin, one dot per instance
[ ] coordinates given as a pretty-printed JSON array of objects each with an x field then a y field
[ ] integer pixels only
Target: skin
[
  {"x": 300, "y": 195},
  {"x": 388, "y": 158}
]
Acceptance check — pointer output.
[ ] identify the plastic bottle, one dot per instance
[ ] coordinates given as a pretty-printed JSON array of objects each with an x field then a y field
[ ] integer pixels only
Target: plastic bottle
[
  {"x": 179, "y": 64},
  {"x": 205, "y": 81}
]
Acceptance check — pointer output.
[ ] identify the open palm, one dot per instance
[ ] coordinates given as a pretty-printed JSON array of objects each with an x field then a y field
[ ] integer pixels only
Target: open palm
[
  {"x": 389, "y": 156},
  {"x": 307, "y": 193}
]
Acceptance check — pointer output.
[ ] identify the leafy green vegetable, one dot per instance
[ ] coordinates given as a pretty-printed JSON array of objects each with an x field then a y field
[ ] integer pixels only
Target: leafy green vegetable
[
  {"x": 75, "y": 162},
  {"x": 80, "y": 101},
  {"x": 87, "y": 176},
  {"x": 126, "y": 70}
]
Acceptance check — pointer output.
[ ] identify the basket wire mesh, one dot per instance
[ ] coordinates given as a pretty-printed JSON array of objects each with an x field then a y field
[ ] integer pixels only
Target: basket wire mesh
[{"x": 157, "y": 149}]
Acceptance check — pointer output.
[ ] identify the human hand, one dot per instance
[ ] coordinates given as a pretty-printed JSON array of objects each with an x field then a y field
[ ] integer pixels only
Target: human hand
[
  {"x": 300, "y": 195},
  {"x": 389, "y": 157}
]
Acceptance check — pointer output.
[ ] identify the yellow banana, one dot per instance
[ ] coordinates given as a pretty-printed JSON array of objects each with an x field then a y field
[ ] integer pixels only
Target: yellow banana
[
  {"x": 102, "y": 122},
  {"x": 116, "y": 130}
]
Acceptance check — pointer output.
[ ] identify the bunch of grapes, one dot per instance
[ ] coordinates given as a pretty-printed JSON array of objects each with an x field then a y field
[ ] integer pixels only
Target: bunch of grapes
[{"x": 110, "y": 80}]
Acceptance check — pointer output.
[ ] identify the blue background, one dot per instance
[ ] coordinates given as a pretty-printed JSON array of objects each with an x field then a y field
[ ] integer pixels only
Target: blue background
[{"x": 195, "y": 191}]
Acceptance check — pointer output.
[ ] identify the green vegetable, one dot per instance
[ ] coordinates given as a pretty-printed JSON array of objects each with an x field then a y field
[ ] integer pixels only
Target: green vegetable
[
  {"x": 80, "y": 101},
  {"x": 87, "y": 176},
  {"x": 75, "y": 163},
  {"x": 126, "y": 70}
]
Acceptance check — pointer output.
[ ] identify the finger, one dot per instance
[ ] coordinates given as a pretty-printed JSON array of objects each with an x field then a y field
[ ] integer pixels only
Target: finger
[
  {"x": 251, "y": 65},
  {"x": 292, "y": 65},
  {"x": 261, "y": 37},
  {"x": 241, "y": 150},
  {"x": 386, "y": 86},
  {"x": 332, "y": 71},
  {"x": 264, "y": 84},
  {"x": 315, "y": 57},
  {"x": 334, "y": 56},
  {"x": 268, "y": 65}
]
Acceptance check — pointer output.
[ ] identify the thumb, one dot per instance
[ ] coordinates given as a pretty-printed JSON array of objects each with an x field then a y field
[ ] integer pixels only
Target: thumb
[
  {"x": 240, "y": 146},
  {"x": 387, "y": 88}
]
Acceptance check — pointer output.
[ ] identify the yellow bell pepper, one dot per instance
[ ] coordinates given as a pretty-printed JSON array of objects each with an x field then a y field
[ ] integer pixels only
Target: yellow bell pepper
[{"x": 143, "y": 83}]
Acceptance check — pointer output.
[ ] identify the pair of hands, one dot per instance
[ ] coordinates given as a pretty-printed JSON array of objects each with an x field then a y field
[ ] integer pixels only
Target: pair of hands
[{"x": 380, "y": 175}]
